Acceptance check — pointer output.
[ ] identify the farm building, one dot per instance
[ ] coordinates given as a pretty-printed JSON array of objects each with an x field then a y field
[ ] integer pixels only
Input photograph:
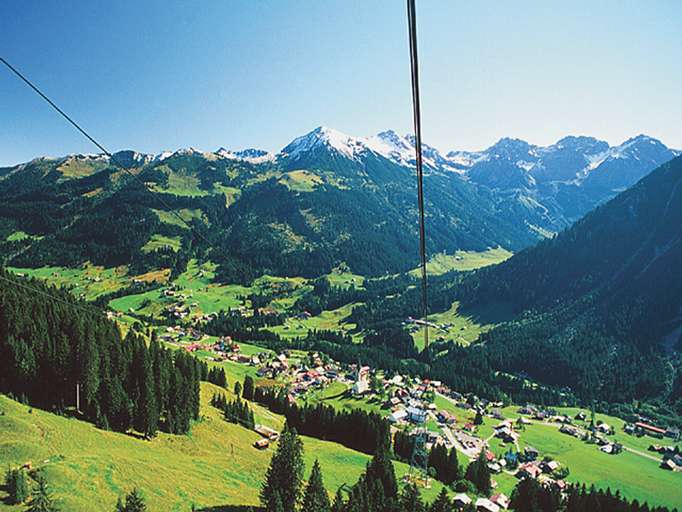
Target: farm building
[
  {"x": 461, "y": 500},
  {"x": 500, "y": 500},
  {"x": 485, "y": 505},
  {"x": 267, "y": 432},
  {"x": 650, "y": 429},
  {"x": 261, "y": 444},
  {"x": 416, "y": 414}
]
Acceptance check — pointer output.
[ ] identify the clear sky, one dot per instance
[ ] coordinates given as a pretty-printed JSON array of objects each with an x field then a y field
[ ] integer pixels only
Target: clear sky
[{"x": 154, "y": 75}]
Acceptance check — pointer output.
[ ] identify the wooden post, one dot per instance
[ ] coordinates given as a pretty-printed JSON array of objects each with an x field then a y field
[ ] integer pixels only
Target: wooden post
[{"x": 78, "y": 398}]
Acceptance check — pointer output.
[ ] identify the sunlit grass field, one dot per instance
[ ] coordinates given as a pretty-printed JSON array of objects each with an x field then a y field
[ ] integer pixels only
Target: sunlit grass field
[{"x": 215, "y": 465}]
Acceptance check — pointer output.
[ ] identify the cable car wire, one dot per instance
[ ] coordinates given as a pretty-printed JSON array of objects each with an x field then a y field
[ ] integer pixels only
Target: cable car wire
[
  {"x": 100, "y": 146},
  {"x": 416, "y": 113}
]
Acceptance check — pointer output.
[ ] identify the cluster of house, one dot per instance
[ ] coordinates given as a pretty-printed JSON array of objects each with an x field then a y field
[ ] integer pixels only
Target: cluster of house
[
  {"x": 407, "y": 403},
  {"x": 671, "y": 456},
  {"x": 596, "y": 435},
  {"x": 176, "y": 334},
  {"x": 505, "y": 431},
  {"x": 313, "y": 376}
]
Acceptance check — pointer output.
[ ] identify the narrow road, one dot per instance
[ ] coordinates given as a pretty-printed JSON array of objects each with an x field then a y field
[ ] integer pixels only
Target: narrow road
[
  {"x": 642, "y": 454},
  {"x": 454, "y": 442}
]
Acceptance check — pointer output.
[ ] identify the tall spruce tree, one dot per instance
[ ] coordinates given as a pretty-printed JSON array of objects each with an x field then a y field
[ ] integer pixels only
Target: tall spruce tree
[
  {"x": 380, "y": 469},
  {"x": 479, "y": 474},
  {"x": 41, "y": 498},
  {"x": 16, "y": 485},
  {"x": 339, "y": 503},
  {"x": 452, "y": 470},
  {"x": 249, "y": 388},
  {"x": 411, "y": 500},
  {"x": 285, "y": 474},
  {"x": 441, "y": 503},
  {"x": 134, "y": 502},
  {"x": 315, "y": 496}
]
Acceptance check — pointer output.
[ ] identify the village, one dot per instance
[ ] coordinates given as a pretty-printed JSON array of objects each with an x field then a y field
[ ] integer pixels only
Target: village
[{"x": 428, "y": 408}]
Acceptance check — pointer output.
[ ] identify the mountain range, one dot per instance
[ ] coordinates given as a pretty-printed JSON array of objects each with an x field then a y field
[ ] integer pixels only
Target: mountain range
[{"x": 326, "y": 198}]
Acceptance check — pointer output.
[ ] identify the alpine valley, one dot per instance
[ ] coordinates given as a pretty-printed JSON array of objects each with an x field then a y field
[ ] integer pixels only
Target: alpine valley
[{"x": 168, "y": 320}]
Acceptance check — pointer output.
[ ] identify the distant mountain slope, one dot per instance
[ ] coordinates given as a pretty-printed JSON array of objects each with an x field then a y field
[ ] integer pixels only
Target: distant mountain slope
[
  {"x": 326, "y": 198},
  {"x": 603, "y": 299},
  {"x": 313, "y": 206}
]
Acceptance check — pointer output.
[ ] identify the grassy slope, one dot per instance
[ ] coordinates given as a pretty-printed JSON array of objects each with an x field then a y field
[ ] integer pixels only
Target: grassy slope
[
  {"x": 215, "y": 465},
  {"x": 464, "y": 260},
  {"x": 82, "y": 279},
  {"x": 333, "y": 320},
  {"x": 463, "y": 326},
  {"x": 159, "y": 242}
]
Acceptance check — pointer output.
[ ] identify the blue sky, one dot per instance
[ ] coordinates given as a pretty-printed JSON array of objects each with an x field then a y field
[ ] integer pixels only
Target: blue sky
[{"x": 160, "y": 75}]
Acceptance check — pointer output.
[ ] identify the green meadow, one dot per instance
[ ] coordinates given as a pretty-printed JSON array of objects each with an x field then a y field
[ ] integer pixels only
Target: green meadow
[
  {"x": 214, "y": 465},
  {"x": 463, "y": 326},
  {"x": 441, "y": 263}
]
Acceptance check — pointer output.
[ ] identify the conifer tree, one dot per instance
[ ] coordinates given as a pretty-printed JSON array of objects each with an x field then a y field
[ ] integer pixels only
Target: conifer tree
[
  {"x": 478, "y": 420},
  {"x": 16, "y": 484},
  {"x": 380, "y": 469},
  {"x": 452, "y": 469},
  {"x": 339, "y": 503},
  {"x": 315, "y": 496},
  {"x": 134, "y": 502},
  {"x": 249, "y": 388},
  {"x": 441, "y": 503},
  {"x": 285, "y": 474},
  {"x": 411, "y": 500},
  {"x": 479, "y": 474},
  {"x": 41, "y": 498}
]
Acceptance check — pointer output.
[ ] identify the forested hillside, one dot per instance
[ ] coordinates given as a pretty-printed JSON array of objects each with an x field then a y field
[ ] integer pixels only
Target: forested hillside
[
  {"x": 50, "y": 344},
  {"x": 602, "y": 300}
]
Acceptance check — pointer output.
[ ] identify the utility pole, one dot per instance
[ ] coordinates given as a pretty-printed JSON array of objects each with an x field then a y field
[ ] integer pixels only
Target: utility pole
[{"x": 78, "y": 398}]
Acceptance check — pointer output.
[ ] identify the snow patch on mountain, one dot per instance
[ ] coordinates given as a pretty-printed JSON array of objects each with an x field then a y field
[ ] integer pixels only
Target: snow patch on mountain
[
  {"x": 323, "y": 137},
  {"x": 251, "y": 155}
]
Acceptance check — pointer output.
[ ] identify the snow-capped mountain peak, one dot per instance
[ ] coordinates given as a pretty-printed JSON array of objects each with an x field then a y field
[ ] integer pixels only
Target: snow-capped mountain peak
[
  {"x": 325, "y": 137},
  {"x": 392, "y": 146}
]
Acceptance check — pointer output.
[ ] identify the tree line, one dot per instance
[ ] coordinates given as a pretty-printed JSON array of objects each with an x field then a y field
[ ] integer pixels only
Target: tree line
[
  {"x": 52, "y": 350},
  {"x": 354, "y": 429},
  {"x": 235, "y": 411}
]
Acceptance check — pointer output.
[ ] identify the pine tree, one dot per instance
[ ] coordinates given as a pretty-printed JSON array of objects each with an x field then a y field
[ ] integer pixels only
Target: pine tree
[
  {"x": 452, "y": 470},
  {"x": 479, "y": 474},
  {"x": 478, "y": 420},
  {"x": 237, "y": 388},
  {"x": 41, "y": 498},
  {"x": 380, "y": 469},
  {"x": 316, "y": 497},
  {"x": 285, "y": 474},
  {"x": 441, "y": 503},
  {"x": 411, "y": 500},
  {"x": 249, "y": 388},
  {"x": 339, "y": 503},
  {"x": 16, "y": 484},
  {"x": 134, "y": 502}
]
